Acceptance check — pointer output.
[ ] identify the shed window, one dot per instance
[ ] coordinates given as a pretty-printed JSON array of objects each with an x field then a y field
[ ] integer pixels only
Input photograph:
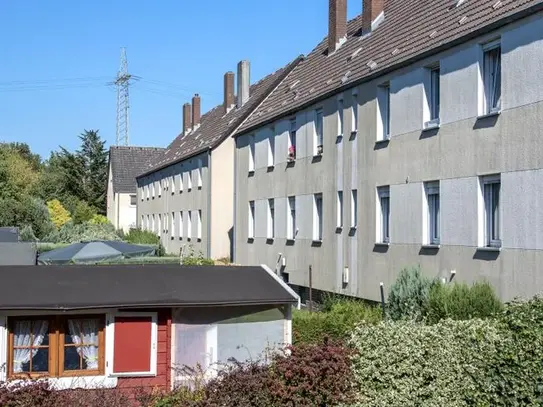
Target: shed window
[{"x": 56, "y": 346}]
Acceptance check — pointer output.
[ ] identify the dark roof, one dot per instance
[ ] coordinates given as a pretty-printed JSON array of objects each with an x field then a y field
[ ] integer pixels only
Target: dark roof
[
  {"x": 9, "y": 234},
  {"x": 215, "y": 125},
  {"x": 411, "y": 29},
  {"x": 138, "y": 286},
  {"x": 127, "y": 162}
]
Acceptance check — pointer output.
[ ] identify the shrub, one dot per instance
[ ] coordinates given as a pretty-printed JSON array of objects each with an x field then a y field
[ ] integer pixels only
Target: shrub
[
  {"x": 407, "y": 363},
  {"x": 98, "y": 220},
  {"x": 459, "y": 301},
  {"x": 59, "y": 215},
  {"x": 408, "y": 296},
  {"x": 82, "y": 212},
  {"x": 336, "y": 322},
  {"x": 139, "y": 236},
  {"x": 72, "y": 233},
  {"x": 196, "y": 259},
  {"x": 27, "y": 234}
]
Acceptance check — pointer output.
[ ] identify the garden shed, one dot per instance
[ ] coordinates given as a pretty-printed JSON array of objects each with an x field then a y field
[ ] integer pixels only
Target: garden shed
[{"x": 133, "y": 325}]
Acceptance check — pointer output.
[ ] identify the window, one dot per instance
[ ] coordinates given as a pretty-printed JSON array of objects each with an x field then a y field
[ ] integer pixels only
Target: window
[
  {"x": 159, "y": 224},
  {"x": 354, "y": 208},
  {"x": 354, "y": 113},
  {"x": 291, "y": 218},
  {"x": 199, "y": 224},
  {"x": 173, "y": 226},
  {"x": 56, "y": 346},
  {"x": 340, "y": 109},
  {"x": 251, "y": 153},
  {"x": 133, "y": 200},
  {"x": 153, "y": 190},
  {"x": 181, "y": 182},
  {"x": 271, "y": 219},
  {"x": 199, "y": 173},
  {"x": 172, "y": 182},
  {"x": 142, "y": 222},
  {"x": 142, "y": 193},
  {"x": 189, "y": 180},
  {"x": 339, "y": 210},
  {"x": 491, "y": 198},
  {"x": 153, "y": 223},
  {"x": 492, "y": 72},
  {"x": 432, "y": 97},
  {"x": 384, "y": 215},
  {"x": 317, "y": 217},
  {"x": 148, "y": 224},
  {"x": 189, "y": 225},
  {"x": 147, "y": 191},
  {"x": 180, "y": 225},
  {"x": 292, "y": 140},
  {"x": 383, "y": 104},
  {"x": 159, "y": 188},
  {"x": 318, "y": 138},
  {"x": 271, "y": 148},
  {"x": 432, "y": 198},
  {"x": 251, "y": 225}
]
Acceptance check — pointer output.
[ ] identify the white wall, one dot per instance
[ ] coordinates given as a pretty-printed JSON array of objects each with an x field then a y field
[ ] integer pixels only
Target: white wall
[
  {"x": 406, "y": 102},
  {"x": 405, "y": 213}
]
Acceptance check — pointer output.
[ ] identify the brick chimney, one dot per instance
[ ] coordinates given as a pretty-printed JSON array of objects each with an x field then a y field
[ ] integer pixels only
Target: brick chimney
[
  {"x": 244, "y": 82},
  {"x": 186, "y": 118},
  {"x": 337, "y": 24},
  {"x": 228, "y": 91},
  {"x": 195, "y": 111},
  {"x": 370, "y": 11}
]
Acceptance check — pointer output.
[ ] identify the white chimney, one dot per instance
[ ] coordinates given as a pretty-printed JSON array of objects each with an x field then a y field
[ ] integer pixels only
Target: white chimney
[{"x": 244, "y": 82}]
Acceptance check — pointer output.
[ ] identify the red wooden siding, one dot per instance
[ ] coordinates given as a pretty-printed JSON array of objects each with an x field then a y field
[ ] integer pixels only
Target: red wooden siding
[
  {"x": 162, "y": 380},
  {"x": 132, "y": 344}
]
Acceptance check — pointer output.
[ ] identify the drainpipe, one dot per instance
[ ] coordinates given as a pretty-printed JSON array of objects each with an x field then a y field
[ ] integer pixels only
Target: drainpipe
[
  {"x": 233, "y": 254},
  {"x": 209, "y": 203}
]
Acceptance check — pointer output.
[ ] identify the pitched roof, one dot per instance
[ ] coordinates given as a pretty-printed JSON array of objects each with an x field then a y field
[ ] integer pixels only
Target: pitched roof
[
  {"x": 215, "y": 126},
  {"x": 127, "y": 162},
  {"x": 411, "y": 29},
  {"x": 136, "y": 286}
]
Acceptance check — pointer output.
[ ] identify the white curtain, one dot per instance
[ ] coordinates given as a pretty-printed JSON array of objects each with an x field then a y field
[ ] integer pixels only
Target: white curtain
[
  {"x": 27, "y": 333},
  {"x": 84, "y": 332}
]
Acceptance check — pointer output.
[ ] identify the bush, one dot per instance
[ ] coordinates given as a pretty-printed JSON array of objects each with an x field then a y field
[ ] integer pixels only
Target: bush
[
  {"x": 407, "y": 363},
  {"x": 82, "y": 212},
  {"x": 98, "y": 220},
  {"x": 459, "y": 301},
  {"x": 27, "y": 234},
  {"x": 139, "y": 236},
  {"x": 59, "y": 215},
  {"x": 72, "y": 233},
  {"x": 336, "y": 322},
  {"x": 196, "y": 259},
  {"x": 408, "y": 296}
]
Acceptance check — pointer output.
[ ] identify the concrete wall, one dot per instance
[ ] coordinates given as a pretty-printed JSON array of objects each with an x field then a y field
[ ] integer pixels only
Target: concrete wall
[
  {"x": 464, "y": 148},
  {"x": 188, "y": 200},
  {"x": 125, "y": 212}
]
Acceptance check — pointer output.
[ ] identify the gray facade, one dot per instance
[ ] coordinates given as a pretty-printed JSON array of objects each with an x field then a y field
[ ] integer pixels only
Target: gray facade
[
  {"x": 467, "y": 146},
  {"x": 175, "y": 204}
]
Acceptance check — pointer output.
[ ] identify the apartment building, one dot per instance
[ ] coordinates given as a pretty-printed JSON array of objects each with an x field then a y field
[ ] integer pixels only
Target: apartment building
[
  {"x": 185, "y": 194},
  {"x": 125, "y": 163},
  {"x": 410, "y": 135}
]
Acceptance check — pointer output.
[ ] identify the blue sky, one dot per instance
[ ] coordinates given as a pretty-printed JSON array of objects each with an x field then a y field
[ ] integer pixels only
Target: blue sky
[{"x": 177, "y": 47}]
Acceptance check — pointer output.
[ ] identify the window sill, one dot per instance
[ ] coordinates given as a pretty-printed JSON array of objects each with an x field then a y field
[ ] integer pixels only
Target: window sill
[
  {"x": 489, "y": 249},
  {"x": 271, "y": 166},
  {"x": 354, "y": 133},
  {"x": 382, "y": 143},
  {"x": 317, "y": 241},
  {"x": 199, "y": 239},
  {"x": 189, "y": 189},
  {"x": 382, "y": 244},
  {"x": 250, "y": 240},
  {"x": 339, "y": 229},
  {"x": 83, "y": 382},
  {"x": 269, "y": 240},
  {"x": 431, "y": 246},
  {"x": 290, "y": 240},
  {"x": 490, "y": 114},
  {"x": 251, "y": 173},
  {"x": 431, "y": 125},
  {"x": 173, "y": 237}
]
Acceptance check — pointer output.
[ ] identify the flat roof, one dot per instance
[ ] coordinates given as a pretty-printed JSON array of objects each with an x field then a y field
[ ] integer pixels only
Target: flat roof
[{"x": 79, "y": 287}]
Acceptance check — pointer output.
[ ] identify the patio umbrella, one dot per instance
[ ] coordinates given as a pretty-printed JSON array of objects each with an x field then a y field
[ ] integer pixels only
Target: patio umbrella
[{"x": 93, "y": 252}]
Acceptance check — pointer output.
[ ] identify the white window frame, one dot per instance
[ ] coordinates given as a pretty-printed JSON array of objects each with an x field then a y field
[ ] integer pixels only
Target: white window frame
[
  {"x": 189, "y": 225},
  {"x": 318, "y": 222},
  {"x": 148, "y": 223},
  {"x": 340, "y": 116},
  {"x": 159, "y": 188},
  {"x": 270, "y": 228},
  {"x": 383, "y": 112},
  {"x": 159, "y": 219},
  {"x": 199, "y": 224},
  {"x": 354, "y": 113},
  {"x": 110, "y": 343},
  {"x": 432, "y": 215},
  {"x": 180, "y": 225},
  {"x": 3, "y": 348},
  {"x": 292, "y": 137},
  {"x": 432, "y": 89},
  {"x": 199, "y": 173},
  {"x": 486, "y": 78},
  {"x": 174, "y": 229},
  {"x": 172, "y": 182},
  {"x": 354, "y": 208},
  {"x": 271, "y": 148},
  {"x": 291, "y": 218},
  {"x": 251, "y": 220},
  {"x": 153, "y": 223},
  {"x": 383, "y": 225},
  {"x": 488, "y": 222},
  {"x": 251, "y": 151},
  {"x": 181, "y": 182},
  {"x": 318, "y": 132},
  {"x": 189, "y": 180},
  {"x": 133, "y": 205},
  {"x": 153, "y": 190},
  {"x": 339, "y": 210}
]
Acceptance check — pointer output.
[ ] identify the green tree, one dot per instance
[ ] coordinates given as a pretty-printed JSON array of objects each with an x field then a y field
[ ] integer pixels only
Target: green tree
[
  {"x": 93, "y": 157},
  {"x": 59, "y": 215},
  {"x": 17, "y": 177}
]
